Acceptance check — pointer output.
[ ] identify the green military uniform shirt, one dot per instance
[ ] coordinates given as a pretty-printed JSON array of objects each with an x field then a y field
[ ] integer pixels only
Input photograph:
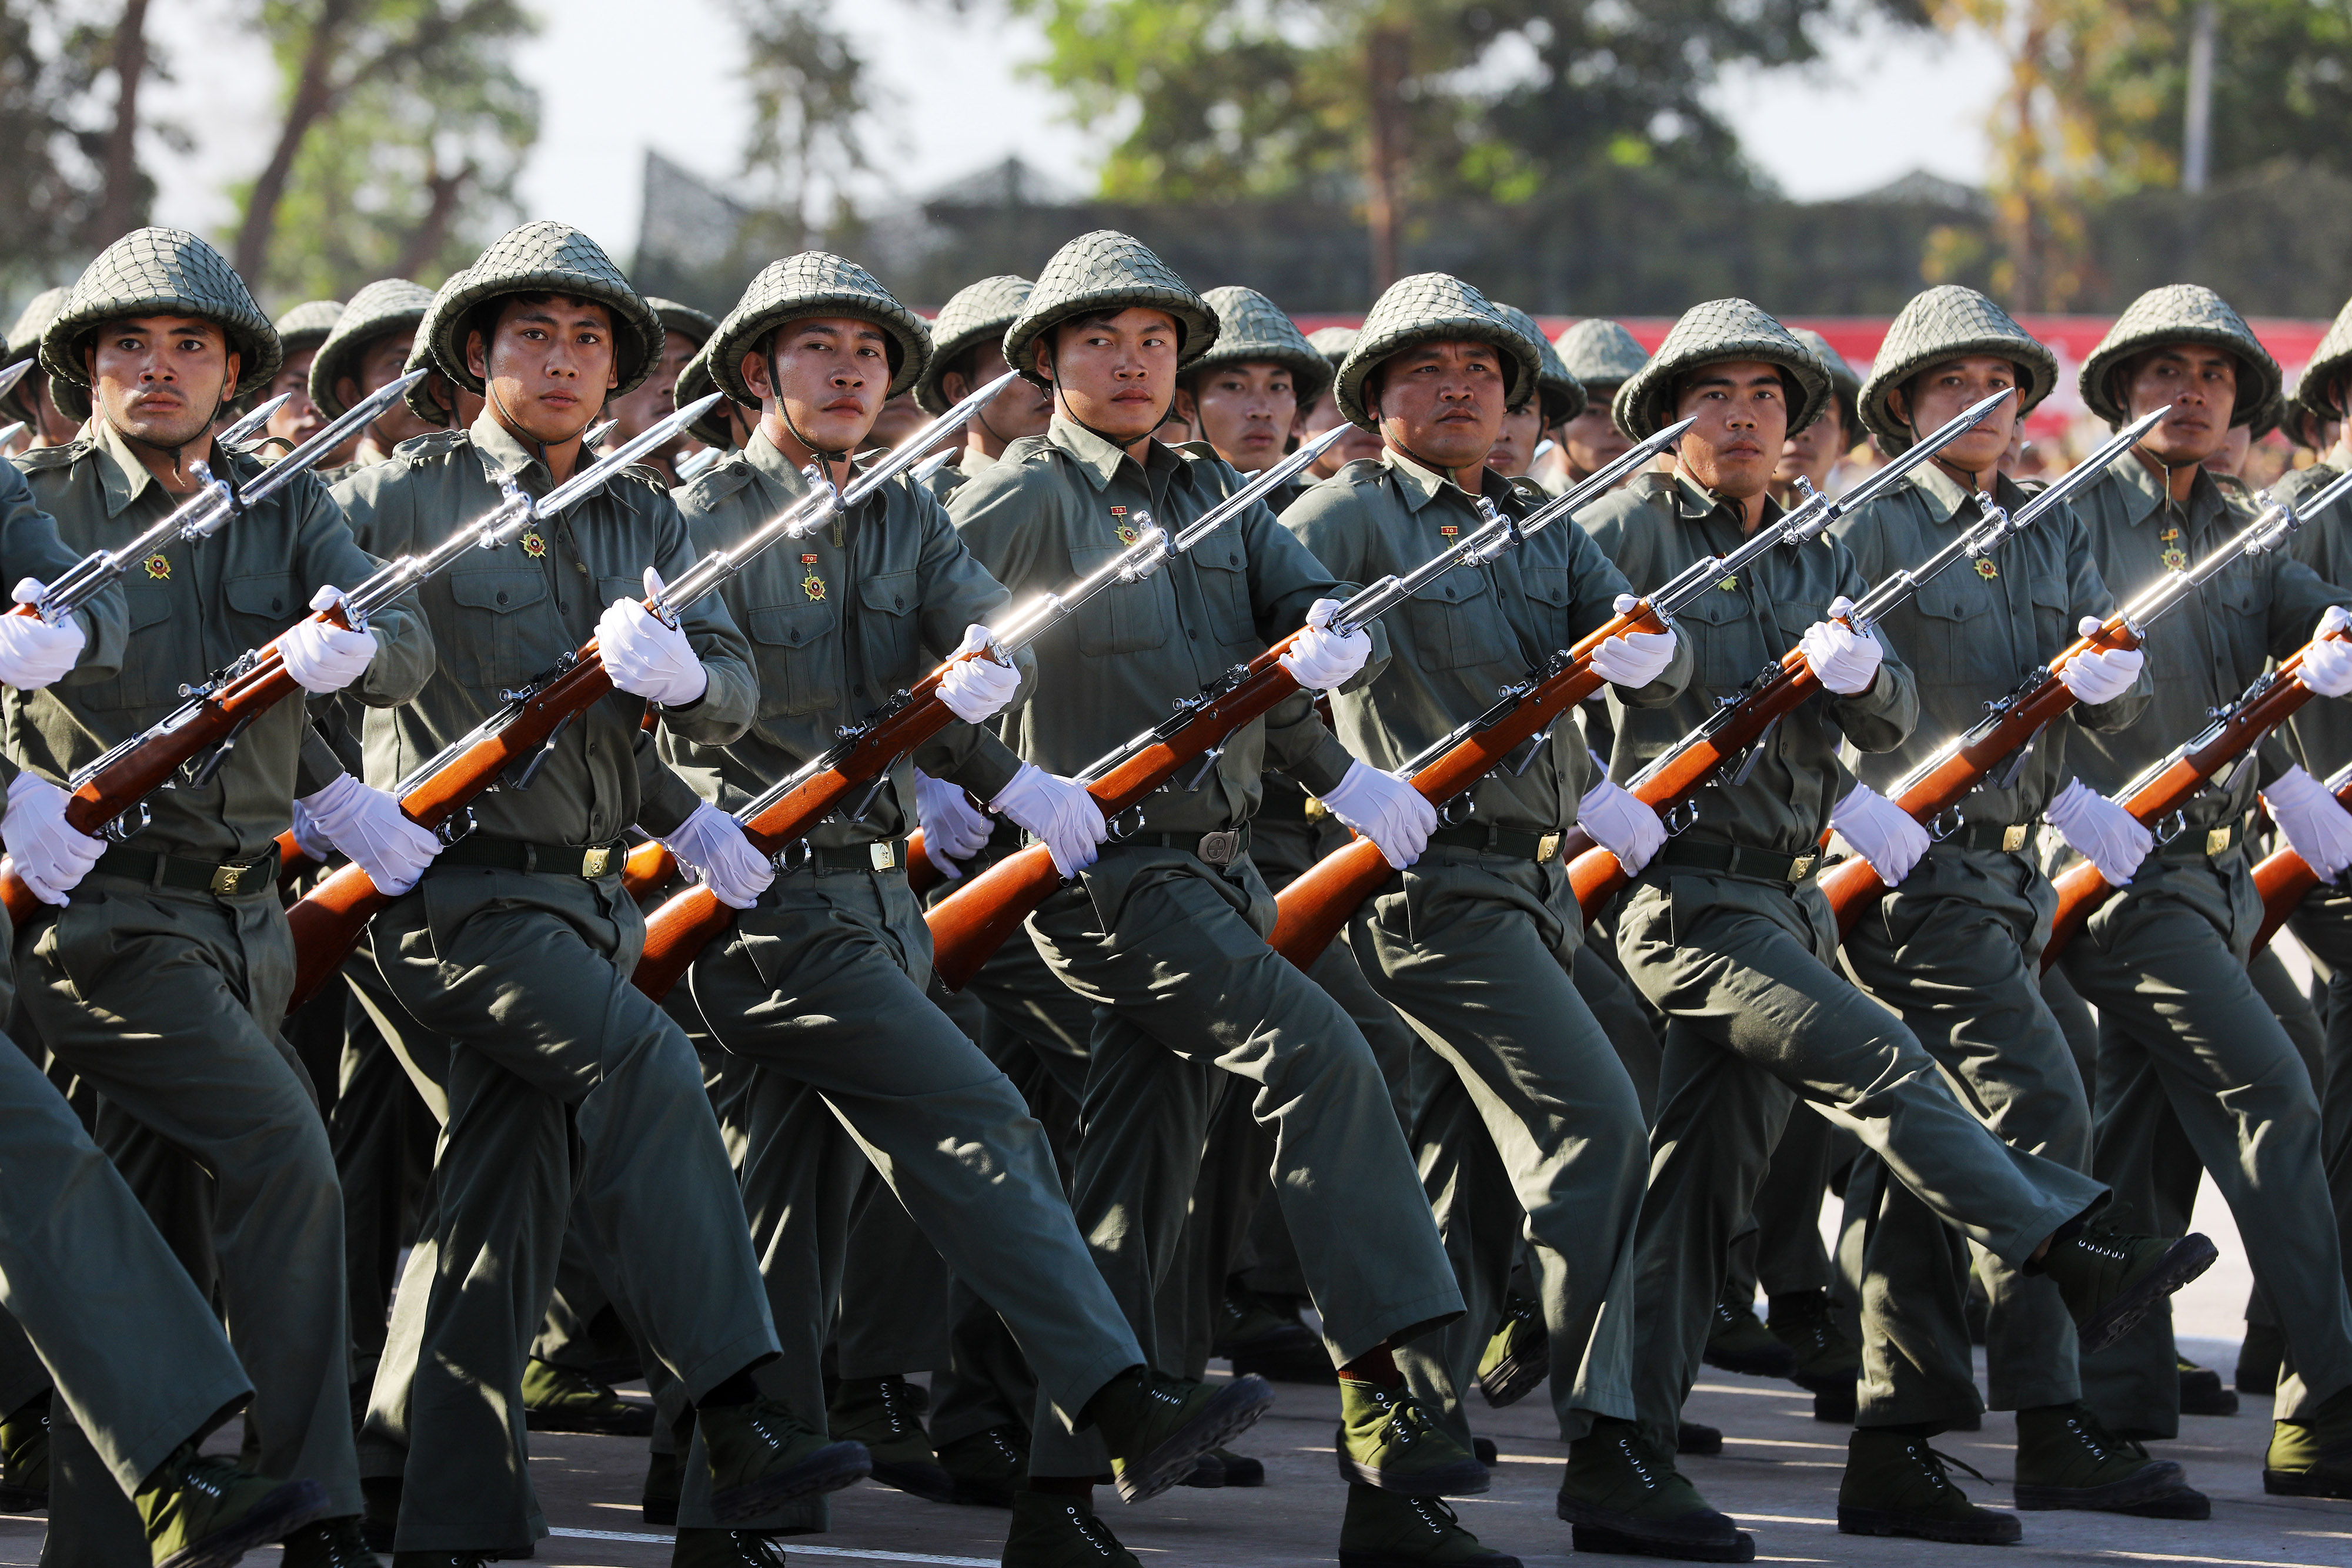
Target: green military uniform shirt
[
  {"x": 838, "y": 622},
  {"x": 1472, "y": 631},
  {"x": 1657, "y": 526},
  {"x": 2205, "y": 653},
  {"x": 1972, "y": 633},
  {"x": 2320, "y": 737},
  {"x": 1064, "y": 504},
  {"x": 30, "y": 546},
  {"x": 505, "y": 615},
  {"x": 192, "y": 608}
]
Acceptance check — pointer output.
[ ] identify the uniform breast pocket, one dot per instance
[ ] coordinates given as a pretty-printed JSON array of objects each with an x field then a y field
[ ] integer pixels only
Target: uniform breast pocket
[
  {"x": 151, "y": 662},
  {"x": 263, "y": 604},
  {"x": 2053, "y": 627},
  {"x": 1456, "y": 624},
  {"x": 488, "y": 646},
  {"x": 1551, "y": 590},
  {"x": 1125, "y": 618},
  {"x": 1725, "y": 652},
  {"x": 799, "y": 656},
  {"x": 1223, "y": 572},
  {"x": 1956, "y": 640},
  {"x": 888, "y": 628}
]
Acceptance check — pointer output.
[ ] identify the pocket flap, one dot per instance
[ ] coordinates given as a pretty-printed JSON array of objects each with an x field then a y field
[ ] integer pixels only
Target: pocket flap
[
  {"x": 146, "y": 606},
  {"x": 889, "y": 593},
  {"x": 500, "y": 591},
  {"x": 789, "y": 625},
  {"x": 261, "y": 593}
]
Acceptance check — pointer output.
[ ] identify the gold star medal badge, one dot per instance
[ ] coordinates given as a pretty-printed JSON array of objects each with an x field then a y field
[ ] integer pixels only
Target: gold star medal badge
[
  {"x": 159, "y": 567},
  {"x": 1127, "y": 531},
  {"x": 2175, "y": 557},
  {"x": 1986, "y": 570},
  {"x": 811, "y": 583},
  {"x": 533, "y": 544}
]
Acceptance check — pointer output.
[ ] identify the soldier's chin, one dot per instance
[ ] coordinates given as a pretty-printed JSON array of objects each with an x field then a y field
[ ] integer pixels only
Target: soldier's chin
[{"x": 176, "y": 427}]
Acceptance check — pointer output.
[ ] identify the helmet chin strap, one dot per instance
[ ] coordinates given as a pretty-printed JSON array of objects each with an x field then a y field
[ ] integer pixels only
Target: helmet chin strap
[{"x": 827, "y": 457}]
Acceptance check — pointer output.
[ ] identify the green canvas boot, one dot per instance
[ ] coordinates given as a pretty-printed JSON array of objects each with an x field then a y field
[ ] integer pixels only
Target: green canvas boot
[
  {"x": 2202, "y": 1391},
  {"x": 988, "y": 1468},
  {"x": 1826, "y": 1359},
  {"x": 2110, "y": 1280},
  {"x": 203, "y": 1512},
  {"x": 1737, "y": 1342},
  {"x": 1622, "y": 1496},
  {"x": 1051, "y": 1530},
  {"x": 2313, "y": 1457},
  {"x": 1519, "y": 1355},
  {"x": 762, "y": 1458},
  {"x": 725, "y": 1549},
  {"x": 1697, "y": 1438},
  {"x": 1897, "y": 1485},
  {"x": 330, "y": 1543},
  {"x": 1383, "y": 1529},
  {"x": 1387, "y": 1439},
  {"x": 565, "y": 1399},
  {"x": 25, "y": 1457},
  {"x": 664, "y": 1480},
  {"x": 1157, "y": 1427},
  {"x": 2259, "y": 1355},
  {"x": 880, "y": 1412},
  {"x": 2066, "y": 1457}
]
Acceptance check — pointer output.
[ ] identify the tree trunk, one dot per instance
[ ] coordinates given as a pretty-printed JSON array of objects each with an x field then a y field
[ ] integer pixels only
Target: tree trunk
[
  {"x": 314, "y": 95},
  {"x": 118, "y": 207},
  {"x": 440, "y": 212},
  {"x": 1388, "y": 55}
]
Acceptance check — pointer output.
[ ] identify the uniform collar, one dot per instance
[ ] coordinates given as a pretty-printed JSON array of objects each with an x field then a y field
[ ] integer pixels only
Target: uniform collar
[
  {"x": 1099, "y": 458},
  {"x": 2146, "y": 494},
  {"x": 1420, "y": 486},
  {"x": 123, "y": 478},
  {"x": 1696, "y": 502},
  {"x": 505, "y": 457},
  {"x": 764, "y": 456},
  {"x": 1945, "y": 496}
]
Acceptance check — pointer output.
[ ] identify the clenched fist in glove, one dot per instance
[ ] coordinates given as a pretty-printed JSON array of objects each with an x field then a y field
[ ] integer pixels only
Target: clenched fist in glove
[
  {"x": 952, "y": 830},
  {"x": 49, "y": 854},
  {"x": 1384, "y": 808},
  {"x": 711, "y": 843},
  {"x": 2100, "y": 675},
  {"x": 646, "y": 658},
  {"x": 369, "y": 826},
  {"x": 1322, "y": 660},
  {"x": 978, "y": 688},
  {"x": 322, "y": 656},
  {"x": 32, "y": 652},
  {"x": 1845, "y": 661},
  {"x": 2101, "y": 832},
  {"x": 2326, "y": 666},
  {"x": 1621, "y": 824},
  {"x": 1059, "y": 811},
  {"x": 1633, "y": 659},
  {"x": 2315, "y": 822},
  {"x": 1881, "y": 832}
]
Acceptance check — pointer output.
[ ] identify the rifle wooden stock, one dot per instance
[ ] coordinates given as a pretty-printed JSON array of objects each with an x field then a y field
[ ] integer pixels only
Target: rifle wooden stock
[
  {"x": 969, "y": 926},
  {"x": 1852, "y": 886},
  {"x": 2283, "y": 878},
  {"x": 649, "y": 866},
  {"x": 1314, "y": 909},
  {"x": 2082, "y": 891}
]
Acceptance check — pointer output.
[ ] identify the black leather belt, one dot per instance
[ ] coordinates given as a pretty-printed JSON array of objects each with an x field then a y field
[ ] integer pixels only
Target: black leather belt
[
  {"x": 1992, "y": 838},
  {"x": 1514, "y": 843},
  {"x": 1738, "y": 859},
  {"x": 882, "y": 854},
  {"x": 2211, "y": 844},
  {"x": 1216, "y": 848},
  {"x": 479, "y": 852},
  {"x": 230, "y": 879}
]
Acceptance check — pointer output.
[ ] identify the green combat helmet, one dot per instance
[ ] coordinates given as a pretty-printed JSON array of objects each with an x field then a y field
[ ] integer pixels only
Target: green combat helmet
[
  {"x": 975, "y": 314},
  {"x": 1949, "y": 322},
  {"x": 542, "y": 258},
  {"x": 694, "y": 384},
  {"x": 156, "y": 272},
  {"x": 1332, "y": 343},
  {"x": 386, "y": 306},
  {"x": 1431, "y": 308},
  {"x": 1845, "y": 384},
  {"x": 1102, "y": 274},
  {"x": 24, "y": 342},
  {"x": 425, "y": 398},
  {"x": 1717, "y": 332},
  {"x": 2181, "y": 313},
  {"x": 307, "y": 325},
  {"x": 2317, "y": 389},
  {"x": 1563, "y": 395},
  {"x": 1601, "y": 353},
  {"x": 1254, "y": 330},
  {"x": 815, "y": 282},
  {"x": 684, "y": 320}
]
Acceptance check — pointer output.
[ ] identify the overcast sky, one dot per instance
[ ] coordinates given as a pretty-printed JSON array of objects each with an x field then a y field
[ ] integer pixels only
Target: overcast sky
[{"x": 1883, "y": 104}]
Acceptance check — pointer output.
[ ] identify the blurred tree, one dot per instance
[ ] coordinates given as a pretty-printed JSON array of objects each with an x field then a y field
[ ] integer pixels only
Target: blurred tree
[
  {"x": 809, "y": 107},
  {"x": 403, "y": 119}
]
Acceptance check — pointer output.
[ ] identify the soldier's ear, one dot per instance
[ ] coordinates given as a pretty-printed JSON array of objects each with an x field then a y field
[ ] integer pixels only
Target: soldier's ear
[
  {"x": 754, "y": 371},
  {"x": 478, "y": 353},
  {"x": 234, "y": 368},
  {"x": 1182, "y": 407}
]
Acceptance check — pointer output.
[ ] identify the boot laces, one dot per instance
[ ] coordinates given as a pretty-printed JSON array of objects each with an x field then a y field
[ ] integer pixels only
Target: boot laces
[
  {"x": 1407, "y": 1421},
  {"x": 897, "y": 1406},
  {"x": 1934, "y": 1462},
  {"x": 1640, "y": 1467},
  {"x": 1434, "y": 1512},
  {"x": 1093, "y": 1531}
]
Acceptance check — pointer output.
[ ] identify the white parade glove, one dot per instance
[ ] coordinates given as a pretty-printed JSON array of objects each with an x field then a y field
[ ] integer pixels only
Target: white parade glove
[
  {"x": 1321, "y": 660},
  {"x": 2097, "y": 676},
  {"x": 1843, "y": 660},
  {"x": 1386, "y": 810},
  {"x": 952, "y": 830},
  {"x": 1621, "y": 824},
  {"x": 646, "y": 658},
  {"x": 2326, "y": 666},
  {"x": 977, "y": 688},
  {"x": 51, "y": 855},
  {"x": 2099, "y": 830},
  {"x": 2315, "y": 822},
  {"x": 1633, "y": 659},
  {"x": 1059, "y": 811},
  {"x": 321, "y": 656},
  {"x": 369, "y": 826},
  {"x": 711, "y": 844},
  {"x": 308, "y": 836},
  {"x": 1881, "y": 832},
  {"x": 32, "y": 652}
]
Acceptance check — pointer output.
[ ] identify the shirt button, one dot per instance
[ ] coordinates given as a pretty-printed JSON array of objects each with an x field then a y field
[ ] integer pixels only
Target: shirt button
[
  {"x": 502, "y": 596},
  {"x": 1194, "y": 635}
]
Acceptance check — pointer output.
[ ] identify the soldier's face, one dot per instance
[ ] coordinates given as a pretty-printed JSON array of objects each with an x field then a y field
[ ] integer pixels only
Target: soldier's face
[
  {"x": 1592, "y": 440},
  {"x": 2199, "y": 385},
  {"x": 648, "y": 401},
  {"x": 1515, "y": 450},
  {"x": 161, "y": 379},
  {"x": 1743, "y": 421},
  {"x": 1244, "y": 410},
  {"x": 1358, "y": 443},
  {"x": 548, "y": 367},
  {"x": 1441, "y": 402},
  {"x": 381, "y": 364},
  {"x": 57, "y": 428},
  {"x": 900, "y": 419},
  {"x": 1931, "y": 399},
  {"x": 1021, "y": 409},
  {"x": 298, "y": 419},
  {"x": 827, "y": 375},
  {"x": 1116, "y": 373}
]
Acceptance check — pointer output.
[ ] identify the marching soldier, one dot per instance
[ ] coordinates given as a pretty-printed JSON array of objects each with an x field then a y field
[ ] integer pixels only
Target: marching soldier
[
  {"x": 1956, "y": 947},
  {"x": 967, "y": 352},
  {"x": 526, "y": 918},
  {"x": 1323, "y": 412},
  {"x": 1726, "y": 932},
  {"x": 1164, "y": 933},
  {"x": 1559, "y": 397},
  {"x": 1814, "y": 453},
  {"x": 729, "y": 425},
  {"x": 163, "y": 981},
  {"x": 1244, "y": 395},
  {"x": 2185, "y": 1041},
  {"x": 1601, "y": 355},
  {"x": 369, "y": 349},
  {"x": 1523, "y": 1118},
  {"x": 28, "y": 399},
  {"x": 301, "y": 331},
  {"x": 684, "y": 331}
]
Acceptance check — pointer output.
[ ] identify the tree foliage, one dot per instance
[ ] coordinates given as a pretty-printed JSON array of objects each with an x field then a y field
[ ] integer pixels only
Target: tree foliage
[
  {"x": 68, "y": 183},
  {"x": 809, "y": 108}
]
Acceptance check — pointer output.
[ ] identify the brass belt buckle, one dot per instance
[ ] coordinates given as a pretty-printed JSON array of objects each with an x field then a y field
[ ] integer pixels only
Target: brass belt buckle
[
  {"x": 2012, "y": 837},
  {"x": 1547, "y": 848},
  {"x": 227, "y": 880},
  {"x": 1799, "y": 867},
  {"x": 596, "y": 862},
  {"x": 886, "y": 854},
  {"x": 1219, "y": 849},
  {"x": 2217, "y": 840}
]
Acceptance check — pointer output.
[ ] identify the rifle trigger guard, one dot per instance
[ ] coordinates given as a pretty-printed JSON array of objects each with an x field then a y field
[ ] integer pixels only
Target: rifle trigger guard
[
  {"x": 1945, "y": 823},
  {"x": 456, "y": 827},
  {"x": 126, "y": 823},
  {"x": 1680, "y": 816},
  {"x": 1458, "y": 811},
  {"x": 786, "y": 861},
  {"x": 1125, "y": 825},
  {"x": 2170, "y": 828}
]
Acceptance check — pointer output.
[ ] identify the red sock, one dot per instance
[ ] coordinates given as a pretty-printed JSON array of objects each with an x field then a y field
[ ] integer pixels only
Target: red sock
[{"x": 1376, "y": 1365}]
